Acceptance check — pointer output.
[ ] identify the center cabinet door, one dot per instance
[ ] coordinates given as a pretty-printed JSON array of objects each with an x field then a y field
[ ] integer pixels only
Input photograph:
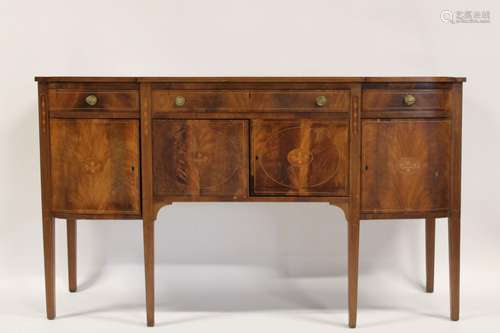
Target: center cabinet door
[
  {"x": 300, "y": 157},
  {"x": 194, "y": 158}
]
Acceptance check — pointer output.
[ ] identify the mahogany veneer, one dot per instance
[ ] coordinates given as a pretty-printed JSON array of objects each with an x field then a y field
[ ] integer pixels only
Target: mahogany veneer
[{"x": 377, "y": 147}]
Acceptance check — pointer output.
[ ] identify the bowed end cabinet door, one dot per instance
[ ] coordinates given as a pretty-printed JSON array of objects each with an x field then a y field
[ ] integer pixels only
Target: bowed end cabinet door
[
  {"x": 405, "y": 166},
  {"x": 303, "y": 157},
  {"x": 95, "y": 166},
  {"x": 200, "y": 159}
]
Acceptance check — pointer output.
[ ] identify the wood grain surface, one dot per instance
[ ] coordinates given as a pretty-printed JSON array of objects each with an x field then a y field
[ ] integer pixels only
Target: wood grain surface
[
  {"x": 200, "y": 157},
  {"x": 300, "y": 157},
  {"x": 405, "y": 165},
  {"x": 95, "y": 166}
]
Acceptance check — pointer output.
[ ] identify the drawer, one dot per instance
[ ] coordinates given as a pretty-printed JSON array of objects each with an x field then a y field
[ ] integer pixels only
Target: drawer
[
  {"x": 74, "y": 100},
  {"x": 199, "y": 100},
  {"x": 301, "y": 101},
  {"x": 404, "y": 99}
]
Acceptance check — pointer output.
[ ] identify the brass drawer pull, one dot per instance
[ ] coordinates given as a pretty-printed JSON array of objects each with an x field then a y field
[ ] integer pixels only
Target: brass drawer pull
[
  {"x": 180, "y": 100},
  {"x": 91, "y": 100},
  {"x": 409, "y": 100},
  {"x": 321, "y": 100}
]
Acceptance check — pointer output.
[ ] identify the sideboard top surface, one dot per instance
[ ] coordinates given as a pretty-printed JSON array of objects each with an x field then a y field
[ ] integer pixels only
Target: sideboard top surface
[{"x": 294, "y": 79}]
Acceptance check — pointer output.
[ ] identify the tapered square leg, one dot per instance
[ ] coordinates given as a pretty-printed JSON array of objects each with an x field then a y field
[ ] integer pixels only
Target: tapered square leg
[
  {"x": 454, "y": 258},
  {"x": 353, "y": 249},
  {"x": 430, "y": 236},
  {"x": 149, "y": 235},
  {"x": 49, "y": 263},
  {"x": 71, "y": 236}
]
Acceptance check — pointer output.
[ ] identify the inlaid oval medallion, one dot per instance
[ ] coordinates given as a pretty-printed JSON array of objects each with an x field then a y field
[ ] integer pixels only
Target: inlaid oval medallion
[
  {"x": 299, "y": 157},
  {"x": 408, "y": 164},
  {"x": 91, "y": 166},
  {"x": 200, "y": 157}
]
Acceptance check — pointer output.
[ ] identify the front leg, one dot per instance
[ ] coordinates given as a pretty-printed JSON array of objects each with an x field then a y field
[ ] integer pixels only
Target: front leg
[
  {"x": 49, "y": 263},
  {"x": 454, "y": 257},
  {"x": 149, "y": 248},
  {"x": 430, "y": 236},
  {"x": 71, "y": 237},
  {"x": 353, "y": 253}
]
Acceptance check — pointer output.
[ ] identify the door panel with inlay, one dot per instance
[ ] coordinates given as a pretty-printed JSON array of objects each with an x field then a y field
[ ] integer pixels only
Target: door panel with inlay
[
  {"x": 300, "y": 157},
  {"x": 405, "y": 165},
  {"x": 200, "y": 158},
  {"x": 95, "y": 166}
]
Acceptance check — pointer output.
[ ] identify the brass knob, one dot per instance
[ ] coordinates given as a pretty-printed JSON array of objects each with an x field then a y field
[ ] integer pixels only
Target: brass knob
[
  {"x": 180, "y": 100},
  {"x": 321, "y": 100},
  {"x": 409, "y": 100},
  {"x": 91, "y": 100}
]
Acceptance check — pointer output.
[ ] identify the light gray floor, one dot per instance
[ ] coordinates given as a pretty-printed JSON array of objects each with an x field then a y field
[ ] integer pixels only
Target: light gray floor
[{"x": 232, "y": 298}]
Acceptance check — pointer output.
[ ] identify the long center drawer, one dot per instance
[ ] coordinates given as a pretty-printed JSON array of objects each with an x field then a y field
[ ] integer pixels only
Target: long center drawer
[{"x": 254, "y": 101}]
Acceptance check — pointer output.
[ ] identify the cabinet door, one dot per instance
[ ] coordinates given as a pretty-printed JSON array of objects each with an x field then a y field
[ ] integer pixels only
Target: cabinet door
[
  {"x": 300, "y": 157},
  {"x": 95, "y": 166},
  {"x": 406, "y": 165},
  {"x": 193, "y": 158}
]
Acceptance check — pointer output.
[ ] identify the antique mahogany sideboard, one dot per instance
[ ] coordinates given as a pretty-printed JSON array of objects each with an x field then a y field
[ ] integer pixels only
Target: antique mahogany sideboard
[{"x": 376, "y": 147}]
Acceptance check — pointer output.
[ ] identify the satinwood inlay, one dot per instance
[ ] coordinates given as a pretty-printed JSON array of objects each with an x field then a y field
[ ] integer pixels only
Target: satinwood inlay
[
  {"x": 408, "y": 164},
  {"x": 299, "y": 157},
  {"x": 91, "y": 165}
]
